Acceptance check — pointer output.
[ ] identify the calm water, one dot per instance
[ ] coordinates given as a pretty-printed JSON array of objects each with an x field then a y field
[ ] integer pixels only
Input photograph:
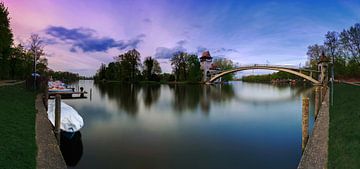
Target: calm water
[{"x": 235, "y": 125}]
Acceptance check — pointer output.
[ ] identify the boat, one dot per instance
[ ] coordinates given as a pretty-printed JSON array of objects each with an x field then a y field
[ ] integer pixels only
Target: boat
[
  {"x": 70, "y": 122},
  {"x": 58, "y": 87}
]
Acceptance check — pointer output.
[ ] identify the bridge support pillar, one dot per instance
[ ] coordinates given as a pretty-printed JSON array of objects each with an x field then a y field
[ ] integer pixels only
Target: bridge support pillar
[{"x": 305, "y": 123}]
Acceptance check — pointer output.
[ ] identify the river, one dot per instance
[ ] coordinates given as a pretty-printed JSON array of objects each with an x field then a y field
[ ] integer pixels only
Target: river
[{"x": 234, "y": 125}]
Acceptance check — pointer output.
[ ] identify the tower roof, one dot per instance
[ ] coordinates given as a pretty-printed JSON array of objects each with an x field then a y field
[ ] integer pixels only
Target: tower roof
[
  {"x": 206, "y": 55},
  {"x": 323, "y": 58}
]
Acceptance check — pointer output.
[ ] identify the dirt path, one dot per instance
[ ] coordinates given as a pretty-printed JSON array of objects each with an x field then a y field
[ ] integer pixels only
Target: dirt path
[{"x": 10, "y": 82}]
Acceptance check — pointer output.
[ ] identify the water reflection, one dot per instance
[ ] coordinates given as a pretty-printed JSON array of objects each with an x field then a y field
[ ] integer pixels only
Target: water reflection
[
  {"x": 189, "y": 97},
  {"x": 151, "y": 94},
  {"x": 192, "y": 126},
  {"x": 185, "y": 97},
  {"x": 125, "y": 95},
  {"x": 71, "y": 148}
]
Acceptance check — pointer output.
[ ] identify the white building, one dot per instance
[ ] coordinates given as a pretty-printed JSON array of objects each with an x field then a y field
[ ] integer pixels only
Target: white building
[{"x": 206, "y": 65}]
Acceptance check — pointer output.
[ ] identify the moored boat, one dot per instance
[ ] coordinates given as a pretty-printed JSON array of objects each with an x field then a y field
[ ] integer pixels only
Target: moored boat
[{"x": 70, "y": 121}]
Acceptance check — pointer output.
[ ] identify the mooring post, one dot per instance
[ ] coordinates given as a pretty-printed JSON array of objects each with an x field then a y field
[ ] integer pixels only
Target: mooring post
[
  {"x": 81, "y": 90},
  {"x": 90, "y": 93},
  {"x": 46, "y": 97},
  {"x": 305, "y": 122},
  {"x": 317, "y": 106},
  {"x": 57, "y": 117}
]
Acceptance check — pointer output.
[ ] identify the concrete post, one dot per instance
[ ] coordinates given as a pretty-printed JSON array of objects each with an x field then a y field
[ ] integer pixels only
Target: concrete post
[
  {"x": 90, "y": 94},
  {"x": 57, "y": 117},
  {"x": 305, "y": 122},
  {"x": 317, "y": 101},
  {"x": 46, "y": 97}
]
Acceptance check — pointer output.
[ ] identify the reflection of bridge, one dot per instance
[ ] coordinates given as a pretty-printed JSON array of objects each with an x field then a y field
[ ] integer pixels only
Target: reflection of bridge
[{"x": 289, "y": 69}]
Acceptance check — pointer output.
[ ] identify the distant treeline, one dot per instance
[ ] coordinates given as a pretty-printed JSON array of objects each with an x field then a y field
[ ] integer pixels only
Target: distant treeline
[
  {"x": 127, "y": 67},
  {"x": 271, "y": 77},
  {"x": 63, "y": 76}
]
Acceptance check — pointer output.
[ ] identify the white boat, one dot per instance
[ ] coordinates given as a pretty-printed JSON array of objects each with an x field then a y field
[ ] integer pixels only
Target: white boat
[{"x": 71, "y": 121}]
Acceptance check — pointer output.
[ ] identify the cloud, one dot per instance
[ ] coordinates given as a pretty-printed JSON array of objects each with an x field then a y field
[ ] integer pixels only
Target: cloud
[
  {"x": 167, "y": 53},
  {"x": 221, "y": 50},
  {"x": 147, "y": 20},
  {"x": 181, "y": 42},
  {"x": 87, "y": 40},
  {"x": 201, "y": 49}
]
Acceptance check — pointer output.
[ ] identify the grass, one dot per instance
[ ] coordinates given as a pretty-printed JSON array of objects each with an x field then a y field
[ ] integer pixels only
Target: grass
[
  {"x": 17, "y": 128},
  {"x": 344, "y": 132}
]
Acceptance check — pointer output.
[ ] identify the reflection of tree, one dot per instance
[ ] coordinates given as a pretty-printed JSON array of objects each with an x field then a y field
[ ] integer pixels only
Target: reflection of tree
[
  {"x": 151, "y": 94},
  {"x": 125, "y": 95},
  {"x": 186, "y": 96},
  {"x": 192, "y": 96}
]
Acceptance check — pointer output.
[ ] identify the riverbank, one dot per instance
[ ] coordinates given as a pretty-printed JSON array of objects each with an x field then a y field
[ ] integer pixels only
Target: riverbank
[
  {"x": 344, "y": 135},
  {"x": 17, "y": 123}
]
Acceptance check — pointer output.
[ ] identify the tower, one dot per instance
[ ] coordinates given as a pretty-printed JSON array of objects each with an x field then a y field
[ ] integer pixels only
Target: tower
[
  {"x": 205, "y": 65},
  {"x": 323, "y": 69}
]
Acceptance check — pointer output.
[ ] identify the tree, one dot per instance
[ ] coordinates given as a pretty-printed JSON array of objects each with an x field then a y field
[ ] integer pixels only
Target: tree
[
  {"x": 36, "y": 51},
  {"x": 314, "y": 53},
  {"x": 6, "y": 40},
  {"x": 101, "y": 72},
  {"x": 151, "y": 68},
  {"x": 350, "y": 40},
  {"x": 178, "y": 63},
  {"x": 193, "y": 68},
  {"x": 129, "y": 65},
  {"x": 225, "y": 64}
]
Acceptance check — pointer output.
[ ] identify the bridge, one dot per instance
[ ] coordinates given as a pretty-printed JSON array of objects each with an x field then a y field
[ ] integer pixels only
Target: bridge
[{"x": 289, "y": 69}]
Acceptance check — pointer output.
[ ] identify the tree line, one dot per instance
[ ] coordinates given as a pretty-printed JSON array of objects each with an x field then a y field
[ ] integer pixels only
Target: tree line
[
  {"x": 271, "y": 77},
  {"x": 19, "y": 61},
  {"x": 343, "y": 47},
  {"x": 127, "y": 67}
]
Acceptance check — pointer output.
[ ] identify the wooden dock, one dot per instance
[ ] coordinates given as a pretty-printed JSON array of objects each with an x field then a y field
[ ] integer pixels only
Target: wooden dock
[{"x": 68, "y": 95}]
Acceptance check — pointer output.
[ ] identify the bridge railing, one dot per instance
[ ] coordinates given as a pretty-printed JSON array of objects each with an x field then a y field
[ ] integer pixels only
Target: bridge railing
[{"x": 268, "y": 65}]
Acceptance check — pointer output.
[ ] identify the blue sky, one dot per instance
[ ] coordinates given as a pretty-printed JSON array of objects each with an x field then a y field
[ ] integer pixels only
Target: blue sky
[{"x": 80, "y": 35}]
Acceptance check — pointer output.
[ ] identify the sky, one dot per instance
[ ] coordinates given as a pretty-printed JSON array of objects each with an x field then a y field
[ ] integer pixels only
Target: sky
[{"x": 80, "y": 35}]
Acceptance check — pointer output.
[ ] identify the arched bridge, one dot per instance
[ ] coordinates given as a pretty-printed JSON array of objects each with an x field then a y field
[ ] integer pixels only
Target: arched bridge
[{"x": 289, "y": 69}]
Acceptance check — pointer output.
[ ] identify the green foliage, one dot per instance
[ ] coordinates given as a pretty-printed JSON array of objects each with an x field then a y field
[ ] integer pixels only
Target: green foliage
[
  {"x": 178, "y": 63},
  {"x": 269, "y": 77},
  {"x": 17, "y": 62},
  {"x": 126, "y": 68},
  {"x": 17, "y": 123},
  {"x": 63, "y": 76},
  {"x": 6, "y": 40},
  {"x": 152, "y": 69},
  {"x": 129, "y": 65},
  {"x": 344, "y": 135},
  {"x": 344, "y": 47},
  {"x": 186, "y": 67},
  {"x": 193, "y": 69},
  {"x": 225, "y": 64}
]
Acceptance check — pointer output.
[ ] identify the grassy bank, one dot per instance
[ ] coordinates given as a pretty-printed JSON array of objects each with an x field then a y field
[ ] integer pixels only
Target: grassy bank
[
  {"x": 17, "y": 128},
  {"x": 344, "y": 132}
]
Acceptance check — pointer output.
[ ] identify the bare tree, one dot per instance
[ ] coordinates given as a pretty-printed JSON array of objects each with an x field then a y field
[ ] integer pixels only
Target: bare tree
[{"x": 314, "y": 53}]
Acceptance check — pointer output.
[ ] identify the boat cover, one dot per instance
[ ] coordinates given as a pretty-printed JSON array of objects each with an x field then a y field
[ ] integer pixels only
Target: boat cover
[{"x": 71, "y": 121}]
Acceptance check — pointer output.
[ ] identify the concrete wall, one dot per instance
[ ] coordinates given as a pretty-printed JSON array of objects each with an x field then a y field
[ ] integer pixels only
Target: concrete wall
[{"x": 315, "y": 155}]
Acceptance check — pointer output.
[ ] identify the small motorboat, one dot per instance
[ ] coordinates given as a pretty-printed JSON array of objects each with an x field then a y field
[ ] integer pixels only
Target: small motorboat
[
  {"x": 70, "y": 122},
  {"x": 58, "y": 86}
]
